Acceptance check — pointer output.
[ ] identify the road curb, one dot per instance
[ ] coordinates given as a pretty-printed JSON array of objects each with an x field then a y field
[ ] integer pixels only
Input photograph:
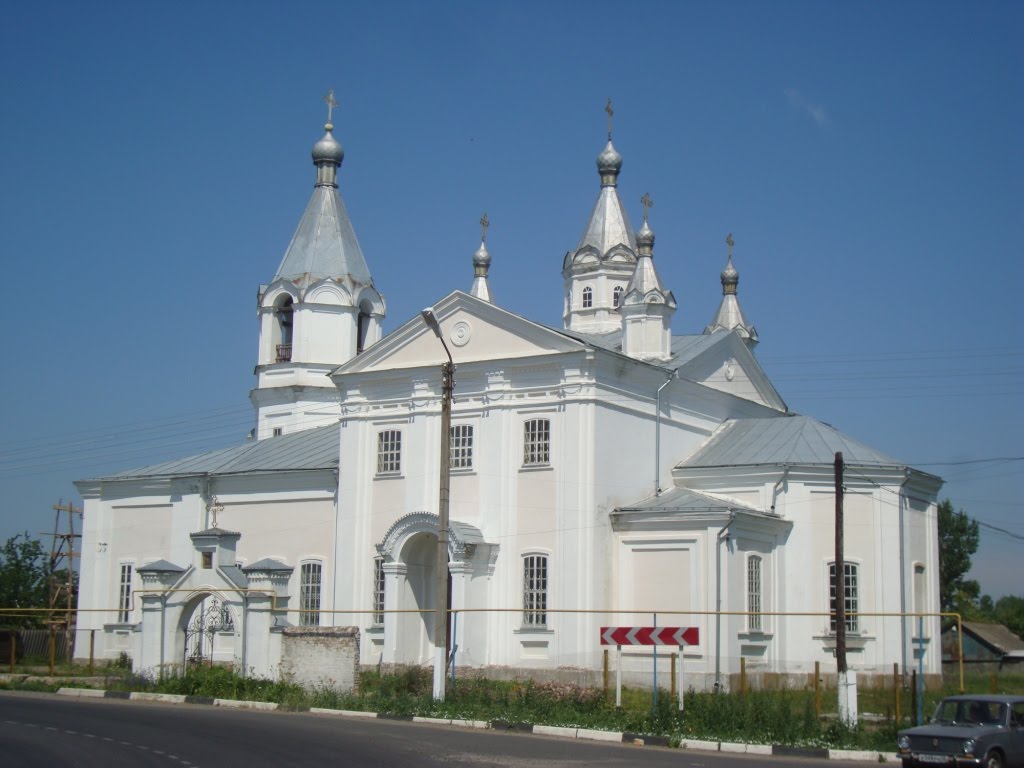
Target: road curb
[{"x": 565, "y": 732}]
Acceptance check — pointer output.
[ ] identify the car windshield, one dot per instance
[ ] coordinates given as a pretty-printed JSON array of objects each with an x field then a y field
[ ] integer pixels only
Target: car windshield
[{"x": 970, "y": 712}]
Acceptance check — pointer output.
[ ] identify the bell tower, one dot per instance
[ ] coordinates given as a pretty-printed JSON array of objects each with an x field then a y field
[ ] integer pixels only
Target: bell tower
[{"x": 320, "y": 310}]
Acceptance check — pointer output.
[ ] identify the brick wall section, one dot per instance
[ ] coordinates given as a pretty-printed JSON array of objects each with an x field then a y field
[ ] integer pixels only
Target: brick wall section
[{"x": 321, "y": 657}]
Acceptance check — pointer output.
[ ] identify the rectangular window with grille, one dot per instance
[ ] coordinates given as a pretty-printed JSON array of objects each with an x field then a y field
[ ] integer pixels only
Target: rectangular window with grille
[
  {"x": 309, "y": 594},
  {"x": 754, "y": 593},
  {"x": 536, "y": 442},
  {"x": 850, "y": 599},
  {"x": 389, "y": 452},
  {"x": 461, "y": 446},
  {"x": 124, "y": 595},
  {"x": 378, "y": 590},
  {"x": 535, "y": 591}
]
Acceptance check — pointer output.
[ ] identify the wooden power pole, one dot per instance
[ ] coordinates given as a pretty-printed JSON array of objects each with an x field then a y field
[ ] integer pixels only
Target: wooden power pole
[
  {"x": 63, "y": 551},
  {"x": 840, "y": 571}
]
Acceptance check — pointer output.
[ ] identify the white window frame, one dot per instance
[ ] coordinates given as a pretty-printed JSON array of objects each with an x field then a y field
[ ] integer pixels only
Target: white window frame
[
  {"x": 537, "y": 442},
  {"x": 617, "y": 296},
  {"x": 588, "y": 298},
  {"x": 851, "y": 595},
  {"x": 460, "y": 450},
  {"x": 124, "y": 593},
  {"x": 536, "y": 582},
  {"x": 378, "y": 591},
  {"x": 389, "y": 452},
  {"x": 755, "y": 593},
  {"x": 311, "y": 573}
]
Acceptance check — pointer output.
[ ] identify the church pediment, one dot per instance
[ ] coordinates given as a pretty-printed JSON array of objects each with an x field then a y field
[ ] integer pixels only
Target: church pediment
[
  {"x": 730, "y": 367},
  {"x": 473, "y": 330}
]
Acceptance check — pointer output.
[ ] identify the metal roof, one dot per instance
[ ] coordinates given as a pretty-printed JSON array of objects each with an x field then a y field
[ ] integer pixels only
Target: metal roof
[
  {"x": 783, "y": 440},
  {"x": 267, "y": 564},
  {"x": 161, "y": 566},
  {"x": 684, "y": 348},
  {"x": 324, "y": 244},
  {"x": 306, "y": 450},
  {"x": 683, "y": 500}
]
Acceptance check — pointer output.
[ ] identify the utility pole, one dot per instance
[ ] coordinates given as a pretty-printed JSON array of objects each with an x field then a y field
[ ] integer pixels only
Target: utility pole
[
  {"x": 62, "y": 571},
  {"x": 441, "y": 567},
  {"x": 846, "y": 683}
]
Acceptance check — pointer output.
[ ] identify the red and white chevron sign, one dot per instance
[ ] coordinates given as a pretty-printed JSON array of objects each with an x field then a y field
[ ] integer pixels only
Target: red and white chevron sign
[{"x": 650, "y": 635}]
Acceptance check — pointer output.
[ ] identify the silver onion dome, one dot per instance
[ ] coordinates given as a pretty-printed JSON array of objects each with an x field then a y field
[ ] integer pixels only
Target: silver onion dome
[
  {"x": 609, "y": 163},
  {"x": 328, "y": 149},
  {"x": 645, "y": 239},
  {"x": 730, "y": 278},
  {"x": 481, "y": 260}
]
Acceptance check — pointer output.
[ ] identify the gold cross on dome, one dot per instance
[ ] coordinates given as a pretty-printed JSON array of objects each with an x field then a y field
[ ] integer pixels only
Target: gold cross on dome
[
  {"x": 730, "y": 242},
  {"x": 610, "y": 111},
  {"x": 647, "y": 203},
  {"x": 331, "y": 103},
  {"x": 484, "y": 224}
]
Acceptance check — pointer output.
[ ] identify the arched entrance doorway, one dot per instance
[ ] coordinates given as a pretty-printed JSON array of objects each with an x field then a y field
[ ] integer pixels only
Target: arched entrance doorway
[
  {"x": 415, "y": 626},
  {"x": 210, "y": 634}
]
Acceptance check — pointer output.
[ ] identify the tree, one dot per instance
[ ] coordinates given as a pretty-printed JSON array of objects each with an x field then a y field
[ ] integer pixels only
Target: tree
[
  {"x": 1009, "y": 611},
  {"x": 24, "y": 581},
  {"x": 958, "y": 540}
]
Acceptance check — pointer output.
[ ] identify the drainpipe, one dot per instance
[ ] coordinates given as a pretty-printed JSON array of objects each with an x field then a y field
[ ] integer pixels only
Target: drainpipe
[
  {"x": 903, "y": 575},
  {"x": 657, "y": 435},
  {"x": 778, "y": 485},
  {"x": 718, "y": 599}
]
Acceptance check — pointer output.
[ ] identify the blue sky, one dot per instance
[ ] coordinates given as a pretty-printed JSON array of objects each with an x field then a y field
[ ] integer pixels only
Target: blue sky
[{"x": 867, "y": 158}]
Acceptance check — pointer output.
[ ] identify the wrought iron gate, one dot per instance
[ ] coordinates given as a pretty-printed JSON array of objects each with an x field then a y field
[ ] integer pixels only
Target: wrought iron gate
[{"x": 209, "y": 618}]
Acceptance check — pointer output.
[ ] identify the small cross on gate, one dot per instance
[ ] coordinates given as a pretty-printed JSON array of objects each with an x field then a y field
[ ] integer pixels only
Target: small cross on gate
[
  {"x": 647, "y": 203},
  {"x": 484, "y": 224},
  {"x": 214, "y": 507},
  {"x": 331, "y": 103}
]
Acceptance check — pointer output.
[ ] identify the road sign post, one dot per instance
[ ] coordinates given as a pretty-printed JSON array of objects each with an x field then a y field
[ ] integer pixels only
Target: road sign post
[{"x": 654, "y": 636}]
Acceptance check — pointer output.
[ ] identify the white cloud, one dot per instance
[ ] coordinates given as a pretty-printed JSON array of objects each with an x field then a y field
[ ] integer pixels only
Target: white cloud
[{"x": 798, "y": 102}]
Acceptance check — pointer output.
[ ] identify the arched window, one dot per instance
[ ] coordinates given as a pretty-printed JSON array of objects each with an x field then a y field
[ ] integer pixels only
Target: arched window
[
  {"x": 285, "y": 314},
  {"x": 310, "y": 574},
  {"x": 588, "y": 298},
  {"x": 617, "y": 296},
  {"x": 535, "y": 590},
  {"x": 362, "y": 326},
  {"x": 754, "y": 593},
  {"x": 850, "y": 592}
]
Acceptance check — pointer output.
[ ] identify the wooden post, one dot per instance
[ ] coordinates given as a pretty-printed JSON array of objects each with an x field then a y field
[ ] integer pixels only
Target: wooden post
[
  {"x": 14, "y": 641},
  {"x": 840, "y": 612},
  {"x": 817, "y": 690},
  {"x": 743, "y": 675},
  {"x": 604, "y": 676},
  {"x": 53, "y": 648},
  {"x": 896, "y": 690},
  {"x": 993, "y": 684},
  {"x": 92, "y": 646},
  {"x": 672, "y": 658}
]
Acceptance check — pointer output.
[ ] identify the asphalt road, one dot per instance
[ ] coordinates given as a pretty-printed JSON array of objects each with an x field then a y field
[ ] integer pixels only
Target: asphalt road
[{"x": 46, "y": 730}]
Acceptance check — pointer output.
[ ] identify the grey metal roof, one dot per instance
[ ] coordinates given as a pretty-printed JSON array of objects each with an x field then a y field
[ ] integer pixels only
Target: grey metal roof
[
  {"x": 306, "y": 450},
  {"x": 267, "y": 564},
  {"x": 682, "y": 501},
  {"x": 684, "y": 348},
  {"x": 797, "y": 440},
  {"x": 996, "y": 636},
  {"x": 324, "y": 244},
  {"x": 160, "y": 566},
  {"x": 608, "y": 225}
]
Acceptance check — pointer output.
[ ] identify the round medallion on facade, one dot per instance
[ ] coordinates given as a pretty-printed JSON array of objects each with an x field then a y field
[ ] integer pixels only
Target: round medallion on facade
[{"x": 461, "y": 333}]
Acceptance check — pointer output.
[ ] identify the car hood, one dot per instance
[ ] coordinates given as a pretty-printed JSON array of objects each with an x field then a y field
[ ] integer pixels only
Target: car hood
[{"x": 958, "y": 731}]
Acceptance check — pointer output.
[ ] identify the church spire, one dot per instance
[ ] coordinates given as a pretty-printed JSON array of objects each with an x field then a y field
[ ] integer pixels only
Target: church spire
[
  {"x": 647, "y": 308},
  {"x": 729, "y": 316},
  {"x": 597, "y": 271},
  {"x": 481, "y": 264}
]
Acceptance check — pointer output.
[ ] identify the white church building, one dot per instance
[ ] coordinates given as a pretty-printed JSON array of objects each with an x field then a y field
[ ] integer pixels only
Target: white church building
[{"x": 609, "y": 472}]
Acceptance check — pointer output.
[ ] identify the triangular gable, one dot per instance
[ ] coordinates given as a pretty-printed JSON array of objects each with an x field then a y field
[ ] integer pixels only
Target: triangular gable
[
  {"x": 727, "y": 364},
  {"x": 473, "y": 330}
]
